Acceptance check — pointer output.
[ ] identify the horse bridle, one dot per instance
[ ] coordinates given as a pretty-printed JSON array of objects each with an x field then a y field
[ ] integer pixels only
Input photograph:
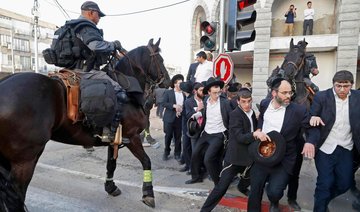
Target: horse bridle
[{"x": 148, "y": 80}]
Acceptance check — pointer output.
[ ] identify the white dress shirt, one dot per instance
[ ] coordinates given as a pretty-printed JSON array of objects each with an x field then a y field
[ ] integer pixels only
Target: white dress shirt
[
  {"x": 214, "y": 122},
  {"x": 309, "y": 14},
  {"x": 273, "y": 118},
  {"x": 340, "y": 133},
  {"x": 204, "y": 71}
]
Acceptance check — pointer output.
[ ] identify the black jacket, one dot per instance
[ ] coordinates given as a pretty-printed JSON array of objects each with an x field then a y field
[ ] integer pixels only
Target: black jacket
[
  {"x": 224, "y": 108},
  {"x": 240, "y": 136}
]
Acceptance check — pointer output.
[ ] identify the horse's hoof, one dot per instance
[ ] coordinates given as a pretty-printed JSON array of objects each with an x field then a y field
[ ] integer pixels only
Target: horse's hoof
[
  {"x": 116, "y": 192},
  {"x": 112, "y": 189},
  {"x": 149, "y": 201}
]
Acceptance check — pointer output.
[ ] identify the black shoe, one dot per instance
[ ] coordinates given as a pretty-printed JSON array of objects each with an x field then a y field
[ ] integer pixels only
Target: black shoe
[
  {"x": 246, "y": 192},
  {"x": 183, "y": 169},
  {"x": 356, "y": 205},
  {"x": 355, "y": 191},
  {"x": 177, "y": 157},
  {"x": 274, "y": 207},
  {"x": 294, "y": 205},
  {"x": 165, "y": 157},
  {"x": 192, "y": 181}
]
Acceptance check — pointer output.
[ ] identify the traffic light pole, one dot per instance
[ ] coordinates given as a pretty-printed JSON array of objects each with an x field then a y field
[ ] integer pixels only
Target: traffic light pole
[{"x": 222, "y": 26}]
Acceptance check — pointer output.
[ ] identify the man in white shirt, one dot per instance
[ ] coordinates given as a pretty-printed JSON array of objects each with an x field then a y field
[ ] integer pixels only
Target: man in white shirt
[
  {"x": 205, "y": 68},
  {"x": 336, "y": 110},
  {"x": 308, "y": 19},
  {"x": 215, "y": 131}
]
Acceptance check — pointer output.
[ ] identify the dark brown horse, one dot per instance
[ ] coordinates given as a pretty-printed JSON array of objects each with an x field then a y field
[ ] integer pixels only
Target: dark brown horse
[
  {"x": 33, "y": 111},
  {"x": 293, "y": 63}
]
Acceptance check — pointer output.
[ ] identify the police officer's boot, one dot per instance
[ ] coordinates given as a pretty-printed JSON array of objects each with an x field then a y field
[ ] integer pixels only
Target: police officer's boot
[{"x": 121, "y": 100}]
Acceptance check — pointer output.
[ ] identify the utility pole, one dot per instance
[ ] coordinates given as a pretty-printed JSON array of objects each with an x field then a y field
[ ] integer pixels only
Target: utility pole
[
  {"x": 35, "y": 13},
  {"x": 222, "y": 26}
]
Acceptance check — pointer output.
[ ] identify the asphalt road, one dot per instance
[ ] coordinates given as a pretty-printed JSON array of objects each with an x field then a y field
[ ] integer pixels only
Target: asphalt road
[{"x": 67, "y": 178}]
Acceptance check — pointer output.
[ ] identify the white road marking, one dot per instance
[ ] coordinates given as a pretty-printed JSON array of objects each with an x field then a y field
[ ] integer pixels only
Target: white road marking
[{"x": 191, "y": 193}]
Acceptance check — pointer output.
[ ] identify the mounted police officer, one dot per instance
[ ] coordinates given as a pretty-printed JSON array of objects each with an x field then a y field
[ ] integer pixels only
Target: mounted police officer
[{"x": 99, "y": 52}]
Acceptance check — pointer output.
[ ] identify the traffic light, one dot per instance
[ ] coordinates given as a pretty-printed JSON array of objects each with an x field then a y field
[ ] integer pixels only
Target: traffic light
[
  {"x": 238, "y": 18},
  {"x": 208, "y": 40}
]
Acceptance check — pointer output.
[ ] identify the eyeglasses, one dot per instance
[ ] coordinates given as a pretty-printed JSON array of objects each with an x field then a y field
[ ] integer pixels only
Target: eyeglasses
[
  {"x": 345, "y": 86},
  {"x": 290, "y": 93},
  {"x": 217, "y": 93}
]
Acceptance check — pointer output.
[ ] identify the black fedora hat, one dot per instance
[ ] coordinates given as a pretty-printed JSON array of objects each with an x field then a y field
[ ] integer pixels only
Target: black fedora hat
[
  {"x": 212, "y": 82},
  {"x": 193, "y": 128},
  {"x": 186, "y": 86},
  {"x": 233, "y": 88},
  {"x": 268, "y": 153},
  {"x": 175, "y": 78}
]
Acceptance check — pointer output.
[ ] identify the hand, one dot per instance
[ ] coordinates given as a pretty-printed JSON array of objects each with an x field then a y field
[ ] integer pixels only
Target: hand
[
  {"x": 308, "y": 150},
  {"x": 261, "y": 136},
  {"x": 316, "y": 121},
  {"x": 117, "y": 45},
  {"x": 200, "y": 106}
]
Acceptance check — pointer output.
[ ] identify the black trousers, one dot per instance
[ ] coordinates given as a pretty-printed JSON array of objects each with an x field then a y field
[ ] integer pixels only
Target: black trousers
[
  {"x": 227, "y": 175},
  {"x": 277, "y": 179},
  {"x": 186, "y": 145},
  {"x": 173, "y": 130},
  {"x": 212, "y": 158},
  {"x": 293, "y": 185},
  {"x": 308, "y": 23}
]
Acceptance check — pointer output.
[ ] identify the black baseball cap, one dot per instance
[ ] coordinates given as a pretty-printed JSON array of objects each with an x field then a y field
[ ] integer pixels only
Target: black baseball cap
[{"x": 90, "y": 5}]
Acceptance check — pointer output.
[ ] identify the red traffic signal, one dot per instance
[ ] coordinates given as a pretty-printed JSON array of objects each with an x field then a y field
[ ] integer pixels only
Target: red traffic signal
[
  {"x": 245, "y": 3},
  {"x": 208, "y": 40},
  {"x": 237, "y": 20}
]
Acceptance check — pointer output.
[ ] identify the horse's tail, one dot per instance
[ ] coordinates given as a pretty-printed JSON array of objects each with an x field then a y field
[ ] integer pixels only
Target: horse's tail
[{"x": 10, "y": 197}]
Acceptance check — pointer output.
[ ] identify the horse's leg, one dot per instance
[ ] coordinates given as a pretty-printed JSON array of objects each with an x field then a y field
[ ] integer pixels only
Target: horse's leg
[
  {"x": 110, "y": 186},
  {"x": 137, "y": 150},
  {"x": 22, "y": 172}
]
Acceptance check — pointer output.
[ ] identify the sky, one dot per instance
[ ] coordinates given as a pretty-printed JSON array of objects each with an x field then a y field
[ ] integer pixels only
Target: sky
[{"x": 172, "y": 24}]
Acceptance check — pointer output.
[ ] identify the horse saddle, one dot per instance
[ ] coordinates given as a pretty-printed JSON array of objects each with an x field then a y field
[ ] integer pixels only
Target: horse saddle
[{"x": 71, "y": 81}]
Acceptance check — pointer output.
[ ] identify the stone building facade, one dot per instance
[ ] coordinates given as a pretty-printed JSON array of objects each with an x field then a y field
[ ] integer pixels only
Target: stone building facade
[{"x": 335, "y": 41}]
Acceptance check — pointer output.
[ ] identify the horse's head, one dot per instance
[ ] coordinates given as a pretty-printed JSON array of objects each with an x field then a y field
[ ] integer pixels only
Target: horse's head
[
  {"x": 145, "y": 64},
  {"x": 294, "y": 60},
  {"x": 157, "y": 70}
]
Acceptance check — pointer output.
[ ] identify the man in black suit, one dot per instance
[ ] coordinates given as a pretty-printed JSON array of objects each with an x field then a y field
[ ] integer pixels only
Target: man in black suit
[
  {"x": 173, "y": 104},
  {"x": 242, "y": 124},
  {"x": 192, "y": 70},
  {"x": 337, "y": 111},
  {"x": 214, "y": 125},
  {"x": 287, "y": 118}
]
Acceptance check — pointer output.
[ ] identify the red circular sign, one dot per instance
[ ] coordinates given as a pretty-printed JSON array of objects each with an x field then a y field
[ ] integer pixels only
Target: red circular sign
[{"x": 223, "y": 67}]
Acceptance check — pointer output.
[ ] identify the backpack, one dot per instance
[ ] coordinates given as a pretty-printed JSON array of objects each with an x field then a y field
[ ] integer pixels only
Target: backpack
[
  {"x": 98, "y": 101},
  {"x": 66, "y": 47}
]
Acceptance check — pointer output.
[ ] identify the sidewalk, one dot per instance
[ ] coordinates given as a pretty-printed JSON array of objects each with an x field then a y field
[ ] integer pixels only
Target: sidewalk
[{"x": 234, "y": 200}]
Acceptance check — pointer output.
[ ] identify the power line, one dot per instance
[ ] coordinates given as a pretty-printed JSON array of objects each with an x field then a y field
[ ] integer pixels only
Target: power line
[
  {"x": 62, "y": 9},
  {"x": 147, "y": 10},
  {"x": 120, "y": 14}
]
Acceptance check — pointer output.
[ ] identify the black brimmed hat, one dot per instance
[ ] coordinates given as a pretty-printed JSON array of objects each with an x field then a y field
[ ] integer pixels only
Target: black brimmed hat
[
  {"x": 90, "y": 5},
  {"x": 186, "y": 86},
  {"x": 212, "y": 82},
  {"x": 268, "y": 153},
  {"x": 175, "y": 78}
]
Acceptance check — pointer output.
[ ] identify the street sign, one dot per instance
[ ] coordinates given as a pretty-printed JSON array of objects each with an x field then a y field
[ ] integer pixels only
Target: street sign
[{"x": 223, "y": 67}]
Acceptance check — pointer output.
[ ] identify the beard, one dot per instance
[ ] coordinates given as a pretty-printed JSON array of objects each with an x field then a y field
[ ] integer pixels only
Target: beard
[
  {"x": 282, "y": 102},
  {"x": 200, "y": 96}
]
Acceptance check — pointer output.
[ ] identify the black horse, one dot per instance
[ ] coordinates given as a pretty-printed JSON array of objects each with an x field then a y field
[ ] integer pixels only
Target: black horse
[
  {"x": 33, "y": 110},
  {"x": 294, "y": 63}
]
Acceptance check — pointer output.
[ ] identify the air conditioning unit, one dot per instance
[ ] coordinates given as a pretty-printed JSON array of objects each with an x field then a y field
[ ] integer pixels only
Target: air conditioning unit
[
  {"x": 17, "y": 66},
  {"x": 17, "y": 31}
]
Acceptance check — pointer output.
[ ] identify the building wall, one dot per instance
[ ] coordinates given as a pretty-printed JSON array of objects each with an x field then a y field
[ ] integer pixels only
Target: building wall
[
  {"x": 324, "y": 19},
  {"x": 17, "y": 43}
]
